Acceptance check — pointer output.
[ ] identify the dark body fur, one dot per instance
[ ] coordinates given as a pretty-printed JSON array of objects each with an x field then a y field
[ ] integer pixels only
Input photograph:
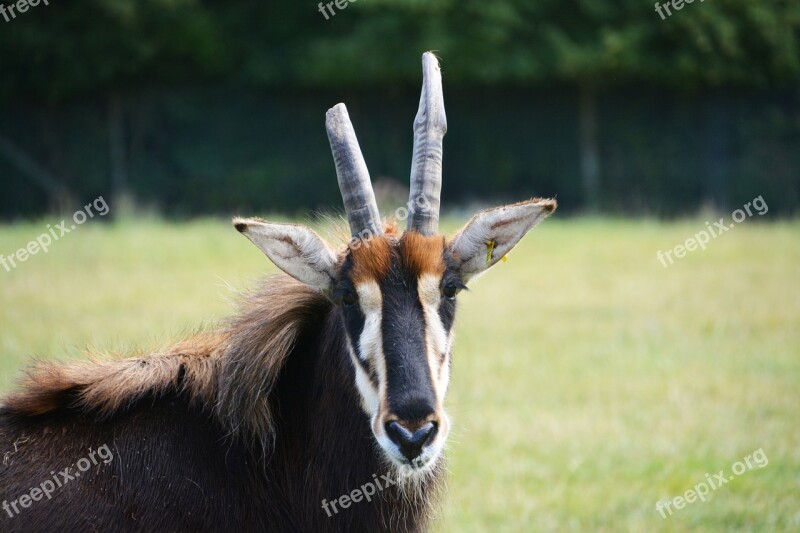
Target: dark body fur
[{"x": 183, "y": 462}]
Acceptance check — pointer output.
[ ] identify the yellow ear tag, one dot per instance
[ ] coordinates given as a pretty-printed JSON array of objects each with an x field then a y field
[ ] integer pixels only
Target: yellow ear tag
[
  {"x": 490, "y": 250},
  {"x": 505, "y": 258}
]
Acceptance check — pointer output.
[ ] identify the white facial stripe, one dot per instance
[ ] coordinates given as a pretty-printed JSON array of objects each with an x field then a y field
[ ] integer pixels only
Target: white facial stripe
[
  {"x": 371, "y": 342},
  {"x": 369, "y": 394},
  {"x": 437, "y": 342},
  {"x": 428, "y": 288},
  {"x": 369, "y": 296},
  {"x": 436, "y": 338},
  {"x": 444, "y": 369}
]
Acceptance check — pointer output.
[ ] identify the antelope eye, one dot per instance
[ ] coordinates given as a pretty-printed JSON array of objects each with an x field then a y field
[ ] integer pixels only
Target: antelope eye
[
  {"x": 450, "y": 291},
  {"x": 349, "y": 299}
]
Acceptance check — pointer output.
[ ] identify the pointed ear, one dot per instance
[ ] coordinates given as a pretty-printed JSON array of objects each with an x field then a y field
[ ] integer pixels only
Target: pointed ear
[
  {"x": 295, "y": 249},
  {"x": 492, "y": 233}
]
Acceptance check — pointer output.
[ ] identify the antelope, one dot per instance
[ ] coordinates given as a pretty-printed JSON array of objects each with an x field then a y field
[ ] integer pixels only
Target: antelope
[{"x": 330, "y": 375}]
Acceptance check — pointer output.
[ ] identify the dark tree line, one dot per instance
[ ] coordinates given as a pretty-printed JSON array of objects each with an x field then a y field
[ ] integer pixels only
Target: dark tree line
[{"x": 110, "y": 52}]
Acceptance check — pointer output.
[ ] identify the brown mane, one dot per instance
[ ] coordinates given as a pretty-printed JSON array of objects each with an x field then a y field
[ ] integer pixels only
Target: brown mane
[
  {"x": 250, "y": 426},
  {"x": 228, "y": 372}
]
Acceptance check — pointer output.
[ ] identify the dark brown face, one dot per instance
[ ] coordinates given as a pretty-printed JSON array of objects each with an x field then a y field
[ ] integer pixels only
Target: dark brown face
[{"x": 397, "y": 298}]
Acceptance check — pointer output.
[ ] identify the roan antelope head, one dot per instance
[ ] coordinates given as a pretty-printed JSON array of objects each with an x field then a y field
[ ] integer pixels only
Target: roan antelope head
[{"x": 396, "y": 293}]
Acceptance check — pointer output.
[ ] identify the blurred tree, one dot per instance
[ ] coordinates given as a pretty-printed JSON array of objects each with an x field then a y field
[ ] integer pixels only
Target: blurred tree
[
  {"x": 594, "y": 45},
  {"x": 91, "y": 46},
  {"x": 106, "y": 49}
]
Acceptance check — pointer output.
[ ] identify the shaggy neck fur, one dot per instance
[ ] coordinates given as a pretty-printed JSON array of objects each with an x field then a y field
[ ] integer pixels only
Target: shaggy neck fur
[{"x": 278, "y": 380}]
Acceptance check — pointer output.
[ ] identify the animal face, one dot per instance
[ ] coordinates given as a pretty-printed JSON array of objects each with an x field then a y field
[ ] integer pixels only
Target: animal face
[
  {"x": 396, "y": 296},
  {"x": 395, "y": 293},
  {"x": 397, "y": 299}
]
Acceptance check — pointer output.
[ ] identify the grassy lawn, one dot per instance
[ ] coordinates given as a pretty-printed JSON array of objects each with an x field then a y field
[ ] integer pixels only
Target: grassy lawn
[{"x": 589, "y": 381}]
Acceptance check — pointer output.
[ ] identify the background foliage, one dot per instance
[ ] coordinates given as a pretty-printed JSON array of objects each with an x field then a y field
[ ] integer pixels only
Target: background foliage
[{"x": 207, "y": 106}]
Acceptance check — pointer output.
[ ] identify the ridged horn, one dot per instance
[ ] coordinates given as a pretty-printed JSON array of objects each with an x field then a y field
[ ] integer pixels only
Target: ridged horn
[
  {"x": 430, "y": 125},
  {"x": 351, "y": 171}
]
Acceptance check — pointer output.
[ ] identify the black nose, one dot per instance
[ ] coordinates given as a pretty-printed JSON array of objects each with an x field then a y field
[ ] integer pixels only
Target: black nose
[{"x": 409, "y": 438}]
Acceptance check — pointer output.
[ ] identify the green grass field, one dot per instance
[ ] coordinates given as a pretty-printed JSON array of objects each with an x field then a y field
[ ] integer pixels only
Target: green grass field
[{"x": 589, "y": 381}]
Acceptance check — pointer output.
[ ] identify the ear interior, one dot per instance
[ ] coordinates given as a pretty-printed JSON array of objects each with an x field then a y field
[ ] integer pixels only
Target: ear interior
[
  {"x": 492, "y": 233},
  {"x": 295, "y": 249}
]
